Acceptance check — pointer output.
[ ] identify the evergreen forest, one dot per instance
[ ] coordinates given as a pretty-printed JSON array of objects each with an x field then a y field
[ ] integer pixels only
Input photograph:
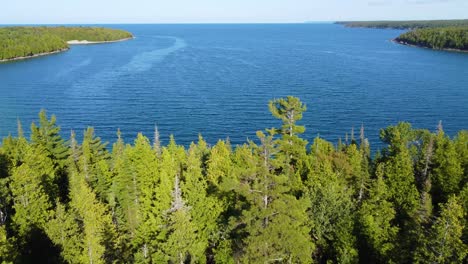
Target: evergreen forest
[
  {"x": 437, "y": 38},
  {"x": 433, "y": 34},
  {"x": 16, "y": 42},
  {"x": 412, "y": 24},
  {"x": 275, "y": 199}
]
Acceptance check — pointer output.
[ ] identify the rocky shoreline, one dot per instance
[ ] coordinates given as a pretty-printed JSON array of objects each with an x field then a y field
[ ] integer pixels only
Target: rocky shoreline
[
  {"x": 424, "y": 47},
  {"x": 35, "y": 55}
]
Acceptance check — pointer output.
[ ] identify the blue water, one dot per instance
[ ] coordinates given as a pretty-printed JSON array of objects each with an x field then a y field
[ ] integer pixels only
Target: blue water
[{"x": 217, "y": 79}]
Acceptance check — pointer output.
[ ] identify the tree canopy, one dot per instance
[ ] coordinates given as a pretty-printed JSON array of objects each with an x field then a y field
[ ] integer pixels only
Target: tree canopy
[
  {"x": 275, "y": 199},
  {"x": 434, "y": 34},
  {"x": 18, "y": 42},
  {"x": 437, "y": 38},
  {"x": 413, "y": 24}
]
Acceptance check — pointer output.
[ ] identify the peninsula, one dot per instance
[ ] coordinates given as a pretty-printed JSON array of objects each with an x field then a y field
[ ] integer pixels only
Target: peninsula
[
  {"x": 17, "y": 43},
  {"x": 450, "y": 35},
  {"x": 411, "y": 24}
]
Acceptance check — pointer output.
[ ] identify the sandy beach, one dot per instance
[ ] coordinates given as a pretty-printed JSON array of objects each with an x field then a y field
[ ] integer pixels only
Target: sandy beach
[
  {"x": 70, "y": 42},
  {"x": 86, "y": 42}
]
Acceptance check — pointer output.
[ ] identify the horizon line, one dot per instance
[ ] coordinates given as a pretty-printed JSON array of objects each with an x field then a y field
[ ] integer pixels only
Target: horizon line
[
  {"x": 167, "y": 23},
  {"x": 227, "y": 23}
]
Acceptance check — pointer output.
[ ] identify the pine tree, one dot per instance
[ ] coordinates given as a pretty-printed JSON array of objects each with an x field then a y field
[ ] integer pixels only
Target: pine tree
[
  {"x": 423, "y": 171},
  {"x": 375, "y": 218},
  {"x": 180, "y": 242},
  {"x": 94, "y": 163},
  {"x": 444, "y": 244},
  {"x": 47, "y": 135},
  {"x": 157, "y": 191},
  {"x": 331, "y": 208},
  {"x": 398, "y": 170},
  {"x": 464, "y": 203},
  {"x": 359, "y": 171},
  {"x": 219, "y": 164},
  {"x": 6, "y": 247},
  {"x": 447, "y": 170},
  {"x": 137, "y": 196},
  {"x": 123, "y": 194},
  {"x": 205, "y": 209},
  {"x": 121, "y": 200},
  {"x": 14, "y": 148},
  {"x": 95, "y": 222},
  {"x": 30, "y": 186},
  {"x": 29, "y": 183},
  {"x": 293, "y": 148},
  {"x": 265, "y": 201},
  {"x": 275, "y": 221},
  {"x": 461, "y": 147},
  {"x": 64, "y": 231}
]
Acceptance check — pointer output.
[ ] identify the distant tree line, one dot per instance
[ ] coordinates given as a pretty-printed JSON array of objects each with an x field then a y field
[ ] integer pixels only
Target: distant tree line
[
  {"x": 437, "y": 38},
  {"x": 277, "y": 199},
  {"x": 414, "y": 24},
  {"x": 434, "y": 34},
  {"x": 28, "y": 41}
]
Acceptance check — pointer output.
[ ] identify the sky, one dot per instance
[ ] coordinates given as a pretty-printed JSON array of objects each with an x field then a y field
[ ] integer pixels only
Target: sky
[{"x": 224, "y": 11}]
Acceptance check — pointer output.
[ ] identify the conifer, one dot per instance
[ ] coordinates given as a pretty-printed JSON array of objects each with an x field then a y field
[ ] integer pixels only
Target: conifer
[
  {"x": 444, "y": 243},
  {"x": 276, "y": 221}
]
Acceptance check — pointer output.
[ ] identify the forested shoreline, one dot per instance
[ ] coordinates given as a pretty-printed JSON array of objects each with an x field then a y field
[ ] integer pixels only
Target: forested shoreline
[
  {"x": 276, "y": 199},
  {"x": 449, "y": 35},
  {"x": 25, "y": 42},
  {"x": 411, "y": 24},
  {"x": 449, "y": 38}
]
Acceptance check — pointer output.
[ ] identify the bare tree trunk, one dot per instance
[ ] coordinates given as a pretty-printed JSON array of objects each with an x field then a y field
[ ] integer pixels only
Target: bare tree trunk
[{"x": 145, "y": 250}]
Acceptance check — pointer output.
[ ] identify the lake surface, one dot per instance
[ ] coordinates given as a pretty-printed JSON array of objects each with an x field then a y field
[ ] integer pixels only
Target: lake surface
[{"x": 217, "y": 80}]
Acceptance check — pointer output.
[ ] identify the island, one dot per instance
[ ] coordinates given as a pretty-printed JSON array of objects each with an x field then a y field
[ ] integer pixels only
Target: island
[
  {"x": 450, "y": 35},
  {"x": 17, "y": 43}
]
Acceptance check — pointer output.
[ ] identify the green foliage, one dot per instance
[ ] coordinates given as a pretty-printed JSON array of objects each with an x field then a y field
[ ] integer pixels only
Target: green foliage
[
  {"x": 447, "y": 170},
  {"x": 87, "y": 33},
  {"x": 205, "y": 209},
  {"x": 16, "y": 42},
  {"x": 444, "y": 244},
  {"x": 398, "y": 169},
  {"x": 461, "y": 148},
  {"x": 6, "y": 249},
  {"x": 434, "y": 34},
  {"x": 275, "y": 222},
  {"x": 331, "y": 208},
  {"x": 407, "y": 24},
  {"x": 46, "y": 135},
  {"x": 375, "y": 219},
  {"x": 291, "y": 157},
  {"x": 29, "y": 184},
  {"x": 268, "y": 201},
  {"x": 437, "y": 38},
  {"x": 94, "y": 161},
  {"x": 64, "y": 231},
  {"x": 94, "y": 221}
]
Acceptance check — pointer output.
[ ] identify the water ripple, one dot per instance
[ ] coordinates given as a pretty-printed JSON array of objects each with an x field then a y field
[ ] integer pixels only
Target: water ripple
[{"x": 97, "y": 85}]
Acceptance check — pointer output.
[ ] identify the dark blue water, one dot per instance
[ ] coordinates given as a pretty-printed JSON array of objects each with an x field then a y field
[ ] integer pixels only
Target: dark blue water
[{"x": 217, "y": 79}]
